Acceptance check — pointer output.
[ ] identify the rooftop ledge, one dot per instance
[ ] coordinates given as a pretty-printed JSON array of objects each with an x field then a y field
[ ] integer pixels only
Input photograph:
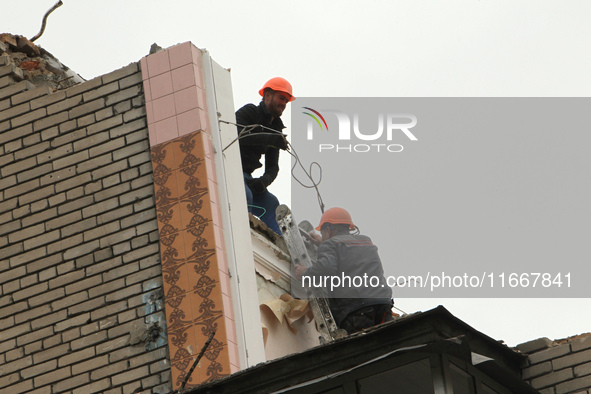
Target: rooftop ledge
[{"x": 271, "y": 256}]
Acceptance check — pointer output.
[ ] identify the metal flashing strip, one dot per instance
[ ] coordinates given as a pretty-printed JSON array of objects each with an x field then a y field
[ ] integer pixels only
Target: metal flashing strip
[
  {"x": 235, "y": 224},
  {"x": 339, "y": 373}
]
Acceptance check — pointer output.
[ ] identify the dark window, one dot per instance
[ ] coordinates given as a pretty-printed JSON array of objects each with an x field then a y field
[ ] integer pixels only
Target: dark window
[
  {"x": 411, "y": 378},
  {"x": 461, "y": 381}
]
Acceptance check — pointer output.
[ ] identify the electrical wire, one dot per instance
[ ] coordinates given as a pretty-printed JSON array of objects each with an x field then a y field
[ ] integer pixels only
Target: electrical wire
[
  {"x": 245, "y": 132},
  {"x": 257, "y": 207},
  {"x": 246, "y": 129},
  {"x": 315, "y": 184},
  {"x": 242, "y": 134}
]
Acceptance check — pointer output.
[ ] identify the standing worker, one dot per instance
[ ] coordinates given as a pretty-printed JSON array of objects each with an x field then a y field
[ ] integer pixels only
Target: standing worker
[
  {"x": 277, "y": 92},
  {"x": 344, "y": 255}
]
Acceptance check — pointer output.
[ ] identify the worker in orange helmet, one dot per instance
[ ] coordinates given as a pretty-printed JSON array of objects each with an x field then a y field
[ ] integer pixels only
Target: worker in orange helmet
[
  {"x": 363, "y": 301},
  {"x": 266, "y": 140}
]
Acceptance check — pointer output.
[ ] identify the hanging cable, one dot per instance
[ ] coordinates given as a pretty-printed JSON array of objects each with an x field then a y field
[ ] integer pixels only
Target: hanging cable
[
  {"x": 245, "y": 132},
  {"x": 246, "y": 129},
  {"x": 309, "y": 175}
]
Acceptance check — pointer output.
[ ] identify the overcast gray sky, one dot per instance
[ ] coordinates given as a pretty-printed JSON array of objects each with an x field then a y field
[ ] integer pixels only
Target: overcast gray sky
[{"x": 380, "y": 48}]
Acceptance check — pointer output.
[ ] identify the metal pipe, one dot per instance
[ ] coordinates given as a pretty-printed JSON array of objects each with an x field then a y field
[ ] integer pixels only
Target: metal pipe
[{"x": 55, "y": 6}]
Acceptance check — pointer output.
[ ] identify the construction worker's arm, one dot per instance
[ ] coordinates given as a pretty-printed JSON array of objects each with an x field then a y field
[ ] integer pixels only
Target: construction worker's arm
[
  {"x": 246, "y": 118},
  {"x": 315, "y": 238},
  {"x": 259, "y": 185},
  {"x": 300, "y": 270},
  {"x": 261, "y": 141},
  {"x": 326, "y": 262},
  {"x": 271, "y": 166}
]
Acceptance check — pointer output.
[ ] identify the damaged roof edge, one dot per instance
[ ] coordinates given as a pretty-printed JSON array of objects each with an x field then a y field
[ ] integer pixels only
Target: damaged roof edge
[
  {"x": 259, "y": 227},
  {"x": 37, "y": 65},
  {"x": 415, "y": 330}
]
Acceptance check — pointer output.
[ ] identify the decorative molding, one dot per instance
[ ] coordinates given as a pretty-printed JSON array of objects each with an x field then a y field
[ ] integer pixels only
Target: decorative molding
[{"x": 271, "y": 263}]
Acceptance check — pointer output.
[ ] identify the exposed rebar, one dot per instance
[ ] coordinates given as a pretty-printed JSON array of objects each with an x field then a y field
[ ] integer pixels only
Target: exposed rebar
[{"x": 55, "y": 6}]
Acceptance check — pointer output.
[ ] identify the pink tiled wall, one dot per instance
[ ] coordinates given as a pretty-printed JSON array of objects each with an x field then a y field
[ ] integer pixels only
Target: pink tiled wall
[
  {"x": 194, "y": 264},
  {"x": 175, "y": 93}
]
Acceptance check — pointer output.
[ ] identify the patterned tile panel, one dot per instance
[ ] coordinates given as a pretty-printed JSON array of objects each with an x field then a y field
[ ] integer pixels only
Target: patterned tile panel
[{"x": 189, "y": 217}]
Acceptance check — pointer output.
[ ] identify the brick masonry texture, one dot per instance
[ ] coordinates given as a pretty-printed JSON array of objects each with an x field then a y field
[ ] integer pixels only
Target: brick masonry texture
[
  {"x": 81, "y": 296},
  {"x": 560, "y": 367}
]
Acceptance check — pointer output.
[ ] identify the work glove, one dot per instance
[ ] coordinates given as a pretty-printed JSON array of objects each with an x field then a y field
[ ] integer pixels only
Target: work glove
[
  {"x": 278, "y": 141},
  {"x": 256, "y": 185}
]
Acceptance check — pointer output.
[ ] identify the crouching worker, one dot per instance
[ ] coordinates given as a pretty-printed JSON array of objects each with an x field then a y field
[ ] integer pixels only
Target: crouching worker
[
  {"x": 267, "y": 141},
  {"x": 350, "y": 259}
]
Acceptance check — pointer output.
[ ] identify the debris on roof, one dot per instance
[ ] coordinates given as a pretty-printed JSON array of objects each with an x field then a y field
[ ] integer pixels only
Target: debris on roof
[
  {"x": 260, "y": 227},
  {"x": 540, "y": 344},
  {"x": 35, "y": 64},
  {"x": 572, "y": 338}
]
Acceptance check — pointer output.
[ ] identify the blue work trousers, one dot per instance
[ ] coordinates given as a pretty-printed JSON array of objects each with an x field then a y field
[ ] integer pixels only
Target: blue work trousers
[{"x": 262, "y": 205}]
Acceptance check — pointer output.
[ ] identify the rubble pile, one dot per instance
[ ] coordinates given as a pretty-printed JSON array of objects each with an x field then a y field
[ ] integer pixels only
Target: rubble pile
[{"x": 35, "y": 64}]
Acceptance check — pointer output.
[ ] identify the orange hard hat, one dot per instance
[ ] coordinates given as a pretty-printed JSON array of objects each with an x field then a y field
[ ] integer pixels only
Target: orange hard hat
[
  {"x": 279, "y": 84},
  {"x": 336, "y": 216}
]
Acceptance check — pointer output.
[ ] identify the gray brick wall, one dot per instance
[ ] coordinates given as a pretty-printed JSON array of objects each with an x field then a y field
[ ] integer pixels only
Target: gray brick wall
[
  {"x": 558, "y": 368},
  {"x": 80, "y": 274}
]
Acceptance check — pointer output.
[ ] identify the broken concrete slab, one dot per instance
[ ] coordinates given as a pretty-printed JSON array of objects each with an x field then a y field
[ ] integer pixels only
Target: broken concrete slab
[
  {"x": 27, "y": 47},
  {"x": 9, "y": 39}
]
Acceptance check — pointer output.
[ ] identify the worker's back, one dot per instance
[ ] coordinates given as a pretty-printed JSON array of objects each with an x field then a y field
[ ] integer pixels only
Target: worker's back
[{"x": 360, "y": 270}]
